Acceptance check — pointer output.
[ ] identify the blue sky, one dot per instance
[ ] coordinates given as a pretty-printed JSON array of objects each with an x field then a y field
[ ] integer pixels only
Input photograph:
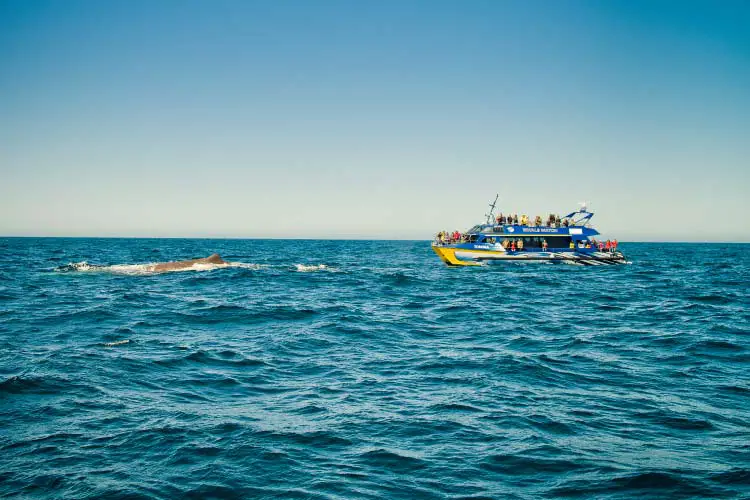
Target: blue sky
[{"x": 388, "y": 119}]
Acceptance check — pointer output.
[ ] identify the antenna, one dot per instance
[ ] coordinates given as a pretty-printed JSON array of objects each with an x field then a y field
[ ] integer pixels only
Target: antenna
[{"x": 491, "y": 215}]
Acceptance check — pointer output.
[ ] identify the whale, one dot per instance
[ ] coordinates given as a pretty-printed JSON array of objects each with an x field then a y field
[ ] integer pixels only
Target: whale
[
  {"x": 213, "y": 261},
  {"x": 184, "y": 264}
]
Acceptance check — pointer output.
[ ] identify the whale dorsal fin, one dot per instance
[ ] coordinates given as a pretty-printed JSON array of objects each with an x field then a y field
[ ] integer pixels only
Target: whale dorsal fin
[{"x": 215, "y": 259}]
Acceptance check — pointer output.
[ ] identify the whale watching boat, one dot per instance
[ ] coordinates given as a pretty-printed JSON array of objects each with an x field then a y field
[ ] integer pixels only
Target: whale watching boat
[{"x": 569, "y": 240}]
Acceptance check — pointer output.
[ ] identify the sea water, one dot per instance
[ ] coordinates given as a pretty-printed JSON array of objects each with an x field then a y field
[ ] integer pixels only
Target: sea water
[{"x": 369, "y": 369}]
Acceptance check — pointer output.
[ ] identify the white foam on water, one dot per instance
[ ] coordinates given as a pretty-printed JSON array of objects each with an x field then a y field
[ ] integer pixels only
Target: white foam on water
[
  {"x": 303, "y": 268},
  {"x": 130, "y": 269},
  {"x": 82, "y": 266},
  {"x": 116, "y": 343},
  {"x": 246, "y": 265},
  {"x": 198, "y": 266}
]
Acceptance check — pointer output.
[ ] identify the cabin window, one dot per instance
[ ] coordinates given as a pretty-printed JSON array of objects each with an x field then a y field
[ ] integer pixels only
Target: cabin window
[
  {"x": 558, "y": 241},
  {"x": 552, "y": 241}
]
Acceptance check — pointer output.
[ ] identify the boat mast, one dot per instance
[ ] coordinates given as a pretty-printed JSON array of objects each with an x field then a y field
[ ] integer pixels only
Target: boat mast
[{"x": 491, "y": 215}]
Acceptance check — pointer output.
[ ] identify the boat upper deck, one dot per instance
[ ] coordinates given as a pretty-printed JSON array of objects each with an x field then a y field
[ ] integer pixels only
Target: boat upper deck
[
  {"x": 573, "y": 224},
  {"x": 522, "y": 230}
]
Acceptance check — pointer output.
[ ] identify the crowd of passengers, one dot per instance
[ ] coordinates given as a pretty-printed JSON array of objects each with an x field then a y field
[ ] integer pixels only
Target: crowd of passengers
[
  {"x": 517, "y": 245},
  {"x": 552, "y": 221}
]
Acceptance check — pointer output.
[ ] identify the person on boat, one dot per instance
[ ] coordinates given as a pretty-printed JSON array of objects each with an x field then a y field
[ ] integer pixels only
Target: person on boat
[
  {"x": 538, "y": 220},
  {"x": 524, "y": 220},
  {"x": 515, "y": 219},
  {"x": 499, "y": 219},
  {"x": 608, "y": 245},
  {"x": 544, "y": 245},
  {"x": 565, "y": 222},
  {"x": 572, "y": 245},
  {"x": 505, "y": 244},
  {"x": 600, "y": 245},
  {"x": 614, "y": 246},
  {"x": 519, "y": 244},
  {"x": 512, "y": 246}
]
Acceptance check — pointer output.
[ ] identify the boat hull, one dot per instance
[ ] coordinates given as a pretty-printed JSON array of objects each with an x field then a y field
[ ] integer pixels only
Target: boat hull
[{"x": 460, "y": 256}]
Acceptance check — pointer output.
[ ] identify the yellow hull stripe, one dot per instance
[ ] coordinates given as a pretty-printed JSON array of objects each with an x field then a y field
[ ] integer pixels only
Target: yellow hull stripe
[{"x": 448, "y": 255}]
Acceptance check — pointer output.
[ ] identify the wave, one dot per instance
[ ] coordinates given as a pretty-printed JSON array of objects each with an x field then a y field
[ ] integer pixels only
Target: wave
[
  {"x": 44, "y": 384},
  {"x": 226, "y": 359},
  {"x": 658, "y": 484},
  {"x": 400, "y": 460},
  {"x": 520, "y": 464}
]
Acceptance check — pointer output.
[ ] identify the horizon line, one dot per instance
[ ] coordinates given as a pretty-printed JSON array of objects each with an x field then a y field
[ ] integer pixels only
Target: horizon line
[{"x": 735, "y": 242}]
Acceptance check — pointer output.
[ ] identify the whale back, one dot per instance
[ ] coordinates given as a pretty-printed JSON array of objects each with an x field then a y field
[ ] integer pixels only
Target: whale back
[{"x": 215, "y": 259}]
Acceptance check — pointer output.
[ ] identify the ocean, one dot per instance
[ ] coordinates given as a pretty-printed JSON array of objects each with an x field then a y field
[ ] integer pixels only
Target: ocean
[{"x": 369, "y": 369}]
